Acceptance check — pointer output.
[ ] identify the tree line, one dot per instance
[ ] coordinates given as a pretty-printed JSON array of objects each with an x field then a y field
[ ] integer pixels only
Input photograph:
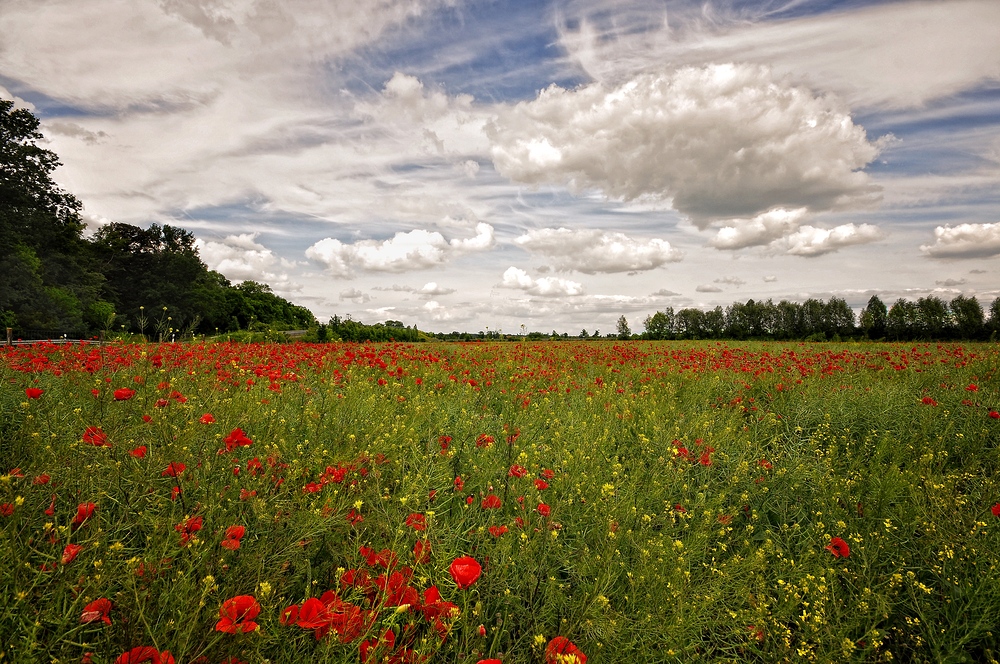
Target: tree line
[
  {"x": 928, "y": 318},
  {"x": 54, "y": 281}
]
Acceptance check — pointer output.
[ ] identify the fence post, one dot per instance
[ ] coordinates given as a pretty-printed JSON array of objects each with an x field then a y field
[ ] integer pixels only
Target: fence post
[{"x": 10, "y": 336}]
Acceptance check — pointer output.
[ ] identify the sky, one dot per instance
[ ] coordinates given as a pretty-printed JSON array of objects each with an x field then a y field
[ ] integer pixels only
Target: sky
[{"x": 503, "y": 165}]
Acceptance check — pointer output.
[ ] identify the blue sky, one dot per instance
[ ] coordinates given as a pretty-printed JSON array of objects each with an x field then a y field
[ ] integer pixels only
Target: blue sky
[{"x": 491, "y": 164}]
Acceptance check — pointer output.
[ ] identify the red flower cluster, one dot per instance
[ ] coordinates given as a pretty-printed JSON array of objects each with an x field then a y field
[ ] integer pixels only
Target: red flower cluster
[{"x": 34, "y": 392}]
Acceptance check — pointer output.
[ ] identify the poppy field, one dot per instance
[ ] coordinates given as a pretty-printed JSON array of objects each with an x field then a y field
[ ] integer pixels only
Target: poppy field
[{"x": 555, "y": 502}]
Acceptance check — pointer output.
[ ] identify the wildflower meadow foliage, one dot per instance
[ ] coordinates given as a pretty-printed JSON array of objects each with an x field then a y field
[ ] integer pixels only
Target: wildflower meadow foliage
[{"x": 548, "y": 503}]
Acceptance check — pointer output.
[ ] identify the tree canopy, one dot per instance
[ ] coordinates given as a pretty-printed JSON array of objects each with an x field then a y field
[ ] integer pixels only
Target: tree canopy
[{"x": 54, "y": 281}]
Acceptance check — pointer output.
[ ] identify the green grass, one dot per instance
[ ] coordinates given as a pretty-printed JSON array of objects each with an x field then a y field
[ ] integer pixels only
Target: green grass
[{"x": 647, "y": 554}]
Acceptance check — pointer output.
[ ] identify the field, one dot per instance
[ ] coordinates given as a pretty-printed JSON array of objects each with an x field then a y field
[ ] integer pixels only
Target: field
[{"x": 550, "y": 502}]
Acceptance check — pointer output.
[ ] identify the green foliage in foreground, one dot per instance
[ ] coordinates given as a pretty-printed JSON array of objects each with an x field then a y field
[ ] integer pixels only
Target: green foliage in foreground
[{"x": 695, "y": 489}]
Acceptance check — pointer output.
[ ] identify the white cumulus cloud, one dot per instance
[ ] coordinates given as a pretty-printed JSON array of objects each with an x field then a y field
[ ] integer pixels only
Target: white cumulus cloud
[
  {"x": 242, "y": 258},
  {"x": 413, "y": 250},
  {"x": 760, "y": 230},
  {"x": 720, "y": 142},
  {"x": 593, "y": 251},
  {"x": 518, "y": 279},
  {"x": 964, "y": 241},
  {"x": 812, "y": 241}
]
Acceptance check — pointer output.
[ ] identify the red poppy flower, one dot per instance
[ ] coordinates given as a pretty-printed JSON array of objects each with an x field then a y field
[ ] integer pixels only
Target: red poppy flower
[
  {"x": 207, "y": 419},
  {"x": 996, "y": 510},
  {"x": 541, "y": 485},
  {"x": 6, "y": 509},
  {"x": 417, "y": 521},
  {"x": 139, "y": 452},
  {"x": 517, "y": 471},
  {"x": 42, "y": 479},
  {"x": 124, "y": 394},
  {"x": 233, "y": 536},
  {"x": 96, "y": 437},
  {"x": 144, "y": 655},
  {"x": 459, "y": 483},
  {"x": 237, "y": 614},
  {"x": 928, "y": 401},
  {"x": 188, "y": 528},
  {"x": 490, "y": 661},
  {"x": 838, "y": 548},
  {"x": 995, "y": 415},
  {"x": 422, "y": 552},
  {"x": 70, "y": 553},
  {"x": 497, "y": 531},
  {"x": 97, "y": 610},
  {"x": 548, "y": 473},
  {"x": 562, "y": 651},
  {"x": 83, "y": 512},
  {"x": 491, "y": 502},
  {"x": 543, "y": 509},
  {"x": 174, "y": 469},
  {"x": 368, "y": 647},
  {"x": 51, "y": 510},
  {"x": 34, "y": 392},
  {"x": 236, "y": 438},
  {"x": 465, "y": 571},
  {"x": 484, "y": 440}
]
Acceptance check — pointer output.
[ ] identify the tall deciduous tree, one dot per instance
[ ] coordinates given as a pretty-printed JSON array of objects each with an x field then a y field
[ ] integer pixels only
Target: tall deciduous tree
[
  {"x": 47, "y": 283},
  {"x": 967, "y": 317}
]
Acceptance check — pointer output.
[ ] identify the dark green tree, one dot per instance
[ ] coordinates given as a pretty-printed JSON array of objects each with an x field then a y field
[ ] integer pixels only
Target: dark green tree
[
  {"x": 873, "y": 318},
  {"x": 838, "y": 318},
  {"x": 901, "y": 321},
  {"x": 660, "y": 324},
  {"x": 48, "y": 284},
  {"x": 932, "y": 317},
  {"x": 967, "y": 317},
  {"x": 624, "y": 332}
]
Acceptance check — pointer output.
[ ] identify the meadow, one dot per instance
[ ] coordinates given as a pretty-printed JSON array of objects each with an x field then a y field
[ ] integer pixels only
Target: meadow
[{"x": 507, "y": 502}]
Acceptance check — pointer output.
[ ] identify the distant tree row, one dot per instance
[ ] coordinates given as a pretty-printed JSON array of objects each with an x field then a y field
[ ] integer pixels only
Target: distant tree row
[
  {"x": 929, "y": 318},
  {"x": 53, "y": 281},
  {"x": 346, "y": 329}
]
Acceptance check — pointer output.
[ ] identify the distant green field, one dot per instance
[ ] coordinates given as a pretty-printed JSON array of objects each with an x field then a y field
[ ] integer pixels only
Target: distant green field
[{"x": 552, "y": 502}]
